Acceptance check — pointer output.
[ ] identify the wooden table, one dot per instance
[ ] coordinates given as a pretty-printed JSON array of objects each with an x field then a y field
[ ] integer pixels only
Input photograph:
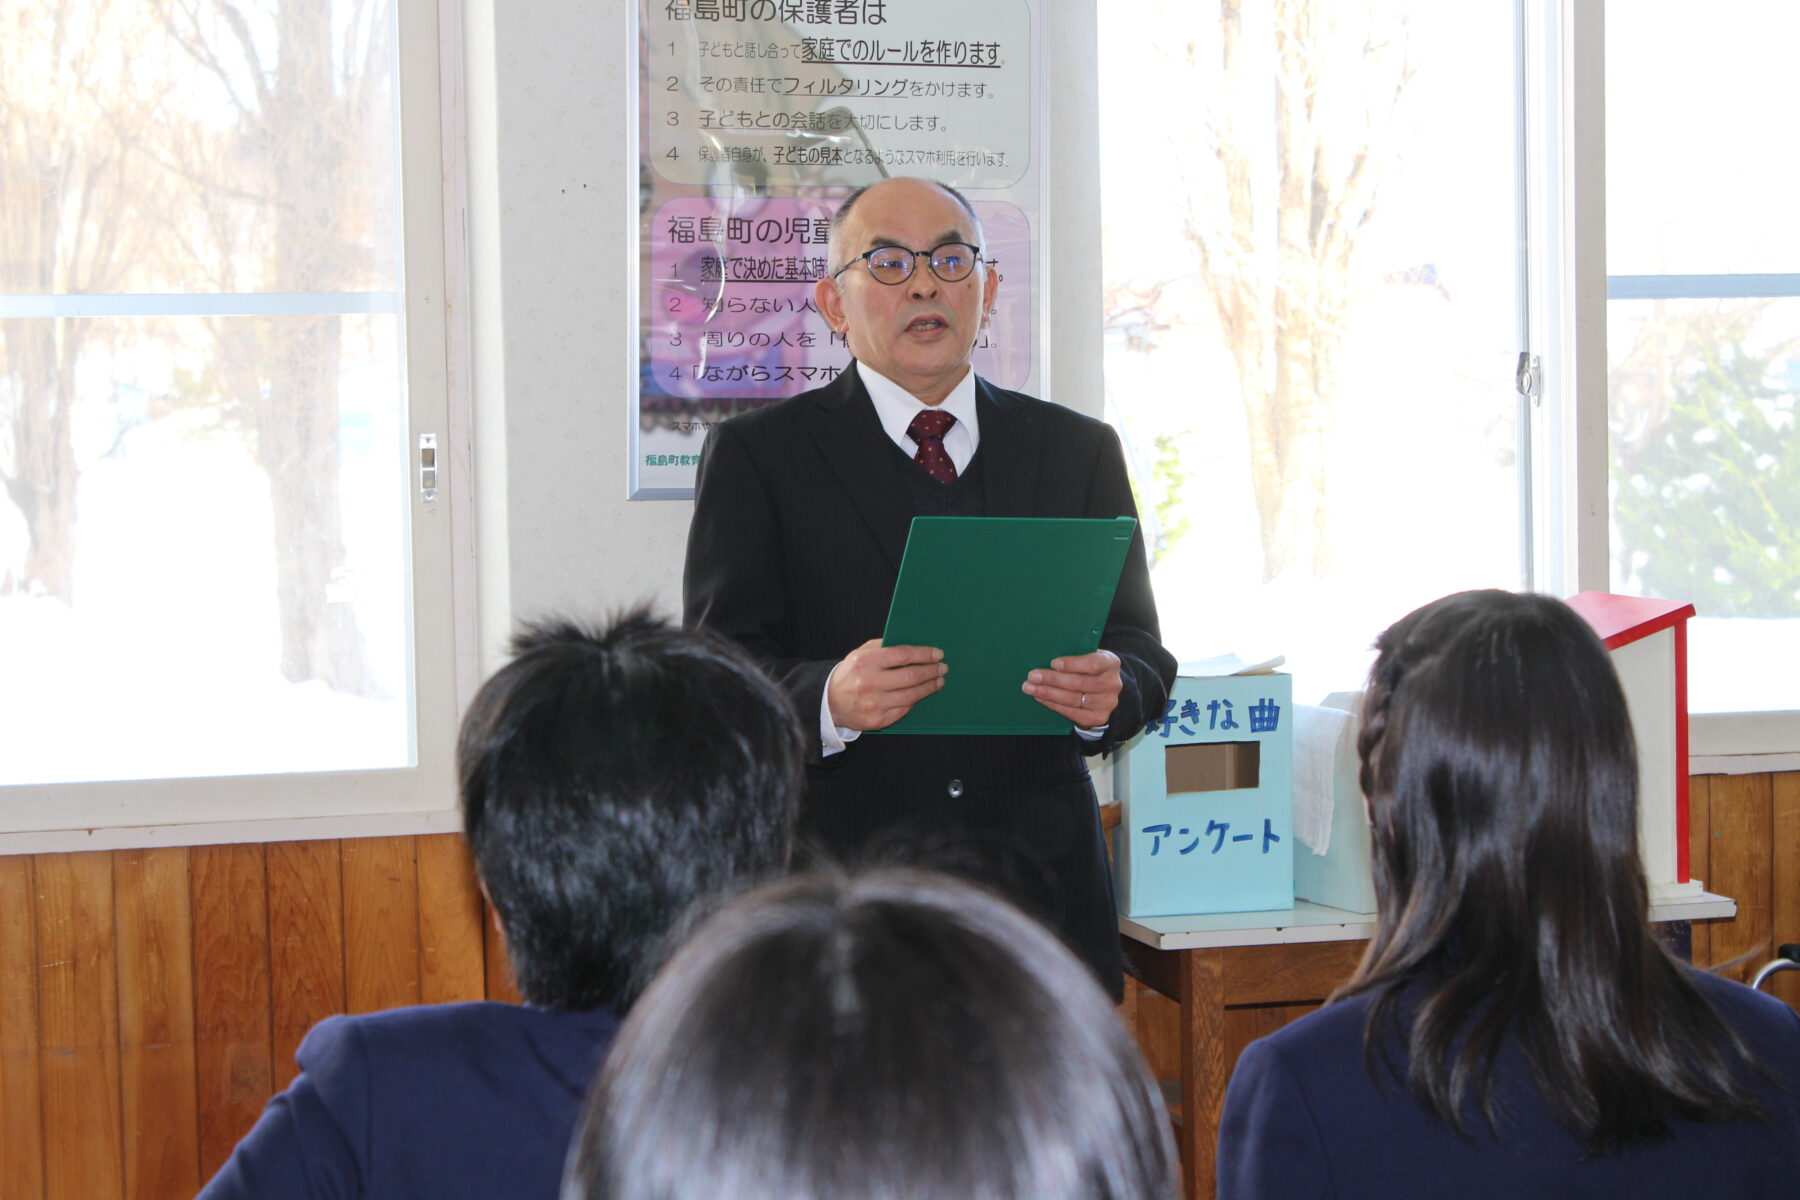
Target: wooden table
[{"x": 1209, "y": 962}]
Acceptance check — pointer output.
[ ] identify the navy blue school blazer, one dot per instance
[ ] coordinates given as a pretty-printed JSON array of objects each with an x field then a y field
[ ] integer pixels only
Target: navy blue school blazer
[
  {"x": 1303, "y": 1118},
  {"x": 440, "y": 1101}
]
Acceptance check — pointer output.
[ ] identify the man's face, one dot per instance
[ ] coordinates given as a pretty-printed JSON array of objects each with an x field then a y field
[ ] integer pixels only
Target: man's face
[{"x": 919, "y": 333}]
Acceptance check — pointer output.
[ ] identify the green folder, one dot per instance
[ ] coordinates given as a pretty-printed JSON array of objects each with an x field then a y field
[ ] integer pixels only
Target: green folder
[{"x": 1001, "y": 597}]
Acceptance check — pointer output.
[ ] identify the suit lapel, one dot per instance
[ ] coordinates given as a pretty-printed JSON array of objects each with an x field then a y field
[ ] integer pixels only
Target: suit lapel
[
  {"x": 1010, "y": 444},
  {"x": 861, "y": 456}
]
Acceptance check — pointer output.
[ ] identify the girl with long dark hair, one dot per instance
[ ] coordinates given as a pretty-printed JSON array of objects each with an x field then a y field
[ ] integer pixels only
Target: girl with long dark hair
[{"x": 1515, "y": 1029}]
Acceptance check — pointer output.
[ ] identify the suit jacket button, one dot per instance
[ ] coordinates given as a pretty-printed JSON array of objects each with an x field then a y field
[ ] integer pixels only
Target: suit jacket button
[{"x": 955, "y": 789}]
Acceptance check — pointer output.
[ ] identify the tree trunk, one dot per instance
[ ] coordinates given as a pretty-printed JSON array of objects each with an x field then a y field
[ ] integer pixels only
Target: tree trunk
[
  {"x": 297, "y": 414},
  {"x": 1281, "y": 308},
  {"x": 298, "y": 446},
  {"x": 43, "y": 477}
]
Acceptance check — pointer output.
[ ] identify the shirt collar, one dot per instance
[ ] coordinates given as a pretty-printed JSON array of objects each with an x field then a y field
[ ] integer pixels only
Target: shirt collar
[{"x": 895, "y": 407}]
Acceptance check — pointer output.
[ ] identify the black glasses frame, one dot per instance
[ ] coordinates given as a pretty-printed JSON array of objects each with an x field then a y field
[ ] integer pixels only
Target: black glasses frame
[{"x": 912, "y": 262}]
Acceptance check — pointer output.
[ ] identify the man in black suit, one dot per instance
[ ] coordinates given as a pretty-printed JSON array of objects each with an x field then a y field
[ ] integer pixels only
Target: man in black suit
[{"x": 801, "y": 513}]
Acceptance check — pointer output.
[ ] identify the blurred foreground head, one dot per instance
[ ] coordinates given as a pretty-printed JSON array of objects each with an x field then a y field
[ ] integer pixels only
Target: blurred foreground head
[{"x": 888, "y": 1036}]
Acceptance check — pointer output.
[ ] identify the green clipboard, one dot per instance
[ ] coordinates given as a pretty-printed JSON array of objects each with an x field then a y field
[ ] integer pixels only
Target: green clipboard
[{"x": 1002, "y": 596}]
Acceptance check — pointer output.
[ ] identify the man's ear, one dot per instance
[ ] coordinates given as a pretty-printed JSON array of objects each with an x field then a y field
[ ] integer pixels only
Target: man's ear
[
  {"x": 990, "y": 284},
  {"x": 830, "y": 304}
]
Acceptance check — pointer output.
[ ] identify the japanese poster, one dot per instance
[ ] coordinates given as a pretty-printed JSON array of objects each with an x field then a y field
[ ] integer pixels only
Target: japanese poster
[{"x": 755, "y": 119}]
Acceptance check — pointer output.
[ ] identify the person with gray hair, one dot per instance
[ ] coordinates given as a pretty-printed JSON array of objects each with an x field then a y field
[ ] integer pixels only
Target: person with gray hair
[
  {"x": 887, "y": 1036},
  {"x": 801, "y": 515}
]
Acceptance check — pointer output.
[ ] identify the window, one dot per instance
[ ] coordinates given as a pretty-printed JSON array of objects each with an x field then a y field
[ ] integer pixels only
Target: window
[
  {"x": 1405, "y": 192},
  {"x": 221, "y": 337},
  {"x": 1703, "y": 338},
  {"x": 1316, "y": 302}
]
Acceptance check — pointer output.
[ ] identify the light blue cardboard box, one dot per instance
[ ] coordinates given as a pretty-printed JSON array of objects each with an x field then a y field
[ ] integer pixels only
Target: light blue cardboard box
[
  {"x": 1341, "y": 877},
  {"x": 1209, "y": 851}
]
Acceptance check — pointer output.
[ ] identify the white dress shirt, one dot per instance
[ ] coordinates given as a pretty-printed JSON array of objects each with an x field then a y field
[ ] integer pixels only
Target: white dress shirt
[{"x": 895, "y": 408}]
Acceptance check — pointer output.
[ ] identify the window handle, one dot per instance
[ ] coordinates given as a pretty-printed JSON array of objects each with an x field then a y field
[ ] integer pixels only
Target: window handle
[
  {"x": 428, "y": 468},
  {"x": 1529, "y": 377}
]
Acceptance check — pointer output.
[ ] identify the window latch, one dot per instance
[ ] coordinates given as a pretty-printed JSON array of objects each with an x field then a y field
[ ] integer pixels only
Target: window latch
[
  {"x": 428, "y": 468},
  {"x": 1529, "y": 377}
]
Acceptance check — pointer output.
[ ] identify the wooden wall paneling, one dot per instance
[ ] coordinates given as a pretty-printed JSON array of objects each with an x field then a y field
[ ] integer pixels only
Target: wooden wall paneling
[
  {"x": 451, "y": 947},
  {"x": 1741, "y": 814},
  {"x": 1700, "y": 840},
  {"x": 95, "y": 1004},
  {"x": 1784, "y": 847},
  {"x": 21, "y": 1104},
  {"x": 156, "y": 1023},
  {"x": 381, "y": 923},
  {"x": 228, "y": 892},
  {"x": 500, "y": 984},
  {"x": 78, "y": 1023},
  {"x": 306, "y": 946}
]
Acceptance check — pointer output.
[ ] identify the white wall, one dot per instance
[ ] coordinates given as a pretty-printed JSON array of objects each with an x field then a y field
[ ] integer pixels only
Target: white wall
[{"x": 551, "y": 199}]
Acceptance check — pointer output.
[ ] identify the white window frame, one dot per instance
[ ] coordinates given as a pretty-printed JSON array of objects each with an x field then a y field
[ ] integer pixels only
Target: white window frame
[
  {"x": 38, "y": 818},
  {"x": 1719, "y": 743},
  {"x": 1563, "y": 75}
]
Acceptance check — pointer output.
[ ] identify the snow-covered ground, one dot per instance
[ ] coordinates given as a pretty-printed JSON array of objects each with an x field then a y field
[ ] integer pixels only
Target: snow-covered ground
[{"x": 167, "y": 665}]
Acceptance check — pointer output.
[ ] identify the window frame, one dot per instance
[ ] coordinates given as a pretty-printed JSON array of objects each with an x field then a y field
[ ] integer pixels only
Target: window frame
[
  {"x": 38, "y": 818},
  {"x": 1566, "y": 504},
  {"x": 1719, "y": 743}
]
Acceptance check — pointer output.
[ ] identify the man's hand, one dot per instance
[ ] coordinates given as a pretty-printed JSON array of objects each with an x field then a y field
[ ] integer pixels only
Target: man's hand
[
  {"x": 1084, "y": 688},
  {"x": 876, "y": 685}
]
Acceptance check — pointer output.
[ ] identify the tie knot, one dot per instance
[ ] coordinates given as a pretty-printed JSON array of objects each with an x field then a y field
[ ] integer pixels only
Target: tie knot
[{"x": 932, "y": 423}]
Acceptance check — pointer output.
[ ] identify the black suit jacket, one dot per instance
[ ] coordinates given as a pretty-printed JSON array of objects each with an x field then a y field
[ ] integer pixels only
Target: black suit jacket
[{"x": 798, "y": 531}]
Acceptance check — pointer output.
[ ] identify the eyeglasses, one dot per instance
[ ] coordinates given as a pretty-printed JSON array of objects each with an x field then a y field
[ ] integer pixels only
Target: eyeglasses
[{"x": 950, "y": 262}]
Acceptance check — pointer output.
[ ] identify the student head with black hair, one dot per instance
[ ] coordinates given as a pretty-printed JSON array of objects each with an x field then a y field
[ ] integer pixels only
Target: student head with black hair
[
  {"x": 881, "y": 1037},
  {"x": 1515, "y": 1027},
  {"x": 611, "y": 779}
]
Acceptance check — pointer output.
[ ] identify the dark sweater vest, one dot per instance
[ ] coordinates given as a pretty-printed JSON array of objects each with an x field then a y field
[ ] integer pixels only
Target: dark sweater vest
[{"x": 962, "y": 497}]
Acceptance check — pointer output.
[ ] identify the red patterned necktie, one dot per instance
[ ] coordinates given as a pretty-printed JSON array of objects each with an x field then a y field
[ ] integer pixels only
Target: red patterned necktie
[{"x": 928, "y": 430}]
